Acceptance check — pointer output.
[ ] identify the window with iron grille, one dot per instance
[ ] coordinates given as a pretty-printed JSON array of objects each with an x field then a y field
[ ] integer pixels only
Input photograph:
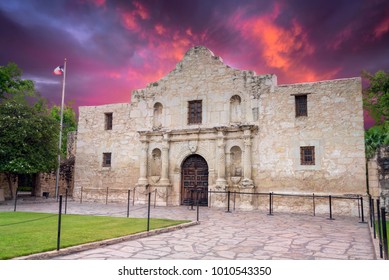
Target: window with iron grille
[
  {"x": 108, "y": 121},
  {"x": 194, "y": 112},
  {"x": 301, "y": 105},
  {"x": 307, "y": 155},
  {"x": 107, "y": 159}
]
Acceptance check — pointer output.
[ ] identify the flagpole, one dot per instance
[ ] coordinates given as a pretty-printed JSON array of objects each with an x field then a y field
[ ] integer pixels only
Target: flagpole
[{"x": 60, "y": 132}]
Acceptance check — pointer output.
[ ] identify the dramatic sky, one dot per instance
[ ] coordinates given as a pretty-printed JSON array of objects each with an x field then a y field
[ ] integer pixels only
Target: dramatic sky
[{"x": 113, "y": 47}]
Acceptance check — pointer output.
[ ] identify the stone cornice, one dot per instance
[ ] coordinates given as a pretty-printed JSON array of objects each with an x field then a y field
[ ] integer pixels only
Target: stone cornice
[{"x": 198, "y": 131}]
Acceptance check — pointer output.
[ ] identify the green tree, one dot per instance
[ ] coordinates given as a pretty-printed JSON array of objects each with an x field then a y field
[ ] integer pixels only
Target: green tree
[
  {"x": 28, "y": 140},
  {"x": 12, "y": 83},
  {"x": 376, "y": 95},
  {"x": 28, "y": 132},
  {"x": 375, "y": 137},
  {"x": 69, "y": 122}
]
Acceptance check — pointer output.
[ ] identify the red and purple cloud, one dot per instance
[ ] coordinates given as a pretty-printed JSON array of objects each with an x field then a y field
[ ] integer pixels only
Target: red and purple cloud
[{"x": 113, "y": 47}]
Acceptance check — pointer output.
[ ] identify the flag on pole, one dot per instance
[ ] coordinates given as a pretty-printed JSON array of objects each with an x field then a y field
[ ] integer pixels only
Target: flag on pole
[{"x": 58, "y": 71}]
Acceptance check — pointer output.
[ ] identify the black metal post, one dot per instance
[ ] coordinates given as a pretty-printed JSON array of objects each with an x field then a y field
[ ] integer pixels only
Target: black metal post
[
  {"x": 384, "y": 233},
  {"x": 191, "y": 200},
  {"x": 373, "y": 217},
  {"x": 59, "y": 223},
  {"x": 128, "y": 203},
  {"x": 16, "y": 199},
  {"x": 314, "y": 205},
  {"x": 155, "y": 197},
  {"x": 82, "y": 188},
  {"x": 379, "y": 228},
  {"x": 234, "y": 199},
  {"x": 106, "y": 197},
  {"x": 362, "y": 214},
  {"x": 148, "y": 213},
  {"x": 198, "y": 207},
  {"x": 228, "y": 201},
  {"x": 66, "y": 200},
  {"x": 330, "y": 202},
  {"x": 270, "y": 204},
  {"x": 371, "y": 211}
]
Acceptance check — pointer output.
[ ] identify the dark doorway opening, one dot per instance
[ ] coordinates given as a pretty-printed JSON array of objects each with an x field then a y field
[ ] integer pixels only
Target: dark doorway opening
[{"x": 194, "y": 181}]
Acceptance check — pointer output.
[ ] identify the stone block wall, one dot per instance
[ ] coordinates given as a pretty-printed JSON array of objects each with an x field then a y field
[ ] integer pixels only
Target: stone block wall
[
  {"x": 93, "y": 140},
  {"x": 334, "y": 126},
  {"x": 249, "y": 136}
]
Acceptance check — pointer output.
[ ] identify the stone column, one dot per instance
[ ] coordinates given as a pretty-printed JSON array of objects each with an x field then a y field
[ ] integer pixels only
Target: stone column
[
  {"x": 221, "y": 159},
  {"x": 165, "y": 161},
  {"x": 143, "y": 161},
  {"x": 247, "y": 165}
]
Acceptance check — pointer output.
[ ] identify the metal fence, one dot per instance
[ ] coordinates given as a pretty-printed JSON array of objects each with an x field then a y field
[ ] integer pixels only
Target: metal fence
[
  {"x": 107, "y": 195},
  {"x": 271, "y": 202},
  {"x": 311, "y": 199},
  {"x": 378, "y": 217}
]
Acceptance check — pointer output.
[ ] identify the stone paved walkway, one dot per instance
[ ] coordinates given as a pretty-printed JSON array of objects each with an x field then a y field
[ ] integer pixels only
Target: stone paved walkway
[{"x": 221, "y": 235}]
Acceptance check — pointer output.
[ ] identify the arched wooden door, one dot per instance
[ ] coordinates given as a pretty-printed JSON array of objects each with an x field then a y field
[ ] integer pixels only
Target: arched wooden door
[{"x": 194, "y": 181}]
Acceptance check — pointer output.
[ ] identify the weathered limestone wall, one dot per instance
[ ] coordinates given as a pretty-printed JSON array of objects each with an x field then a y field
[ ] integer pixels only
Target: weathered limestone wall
[
  {"x": 373, "y": 177},
  {"x": 334, "y": 126},
  {"x": 249, "y": 136},
  {"x": 93, "y": 140},
  {"x": 200, "y": 76}
]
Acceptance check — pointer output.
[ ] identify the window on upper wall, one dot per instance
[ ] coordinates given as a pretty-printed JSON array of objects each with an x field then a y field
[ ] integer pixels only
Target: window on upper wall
[
  {"x": 307, "y": 155},
  {"x": 301, "y": 105},
  {"x": 108, "y": 121},
  {"x": 195, "y": 112},
  {"x": 107, "y": 159}
]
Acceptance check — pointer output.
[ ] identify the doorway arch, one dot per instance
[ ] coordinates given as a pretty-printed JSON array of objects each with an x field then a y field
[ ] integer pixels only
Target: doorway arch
[{"x": 194, "y": 180}]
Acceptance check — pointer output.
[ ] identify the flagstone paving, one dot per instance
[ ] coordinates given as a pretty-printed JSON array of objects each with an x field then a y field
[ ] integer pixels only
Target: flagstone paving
[{"x": 221, "y": 235}]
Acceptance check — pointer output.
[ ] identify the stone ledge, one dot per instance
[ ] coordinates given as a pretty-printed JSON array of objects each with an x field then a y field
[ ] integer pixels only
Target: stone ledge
[{"x": 102, "y": 243}]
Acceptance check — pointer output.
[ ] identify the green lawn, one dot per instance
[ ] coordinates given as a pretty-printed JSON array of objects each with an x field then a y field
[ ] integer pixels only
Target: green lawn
[
  {"x": 25, "y": 233},
  {"x": 387, "y": 230}
]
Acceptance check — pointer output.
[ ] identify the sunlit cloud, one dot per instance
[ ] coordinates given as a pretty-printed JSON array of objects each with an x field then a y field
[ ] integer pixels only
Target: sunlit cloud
[
  {"x": 281, "y": 48},
  {"x": 160, "y": 29},
  {"x": 114, "y": 47},
  {"x": 132, "y": 19},
  {"x": 382, "y": 28}
]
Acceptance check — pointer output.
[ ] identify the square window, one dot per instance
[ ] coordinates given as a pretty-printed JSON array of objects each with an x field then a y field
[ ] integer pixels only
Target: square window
[
  {"x": 301, "y": 105},
  {"x": 195, "y": 112},
  {"x": 108, "y": 121},
  {"x": 107, "y": 159},
  {"x": 307, "y": 155}
]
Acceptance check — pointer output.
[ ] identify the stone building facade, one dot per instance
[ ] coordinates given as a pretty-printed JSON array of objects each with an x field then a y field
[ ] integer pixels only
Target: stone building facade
[{"x": 208, "y": 127}]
